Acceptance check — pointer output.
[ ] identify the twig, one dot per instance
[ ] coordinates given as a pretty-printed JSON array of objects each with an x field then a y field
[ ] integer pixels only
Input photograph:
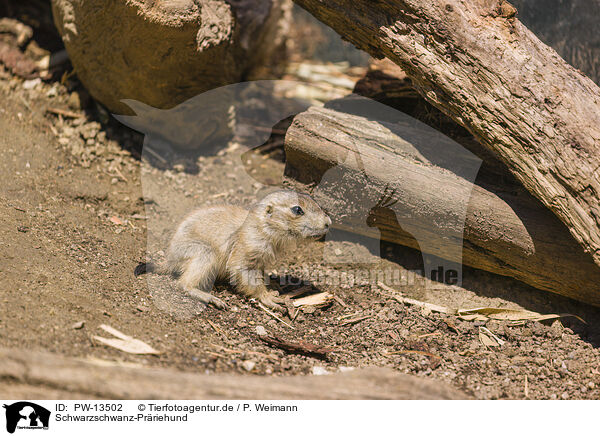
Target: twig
[
  {"x": 215, "y": 354},
  {"x": 120, "y": 174},
  {"x": 339, "y": 300},
  {"x": 299, "y": 347},
  {"x": 27, "y": 105},
  {"x": 215, "y": 327},
  {"x": 426, "y": 335},
  {"x": 350, "y": 315},
  {"x": 64, "y": 113},
  {"x": 155, "y": 154},
  {"x": 275, "y": 316},
  {"x": 355, "y": 320},
  {"x": 387, "y": 288}
]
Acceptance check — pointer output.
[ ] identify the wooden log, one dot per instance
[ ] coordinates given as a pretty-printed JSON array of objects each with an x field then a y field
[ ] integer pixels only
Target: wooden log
[
  {"x": 163, "y": 53},
  {"x": 481, "y": 66},
  {"x": 563, "y": 26},
  {"x": 41, "y": 375},
  {"x": 350, "y": 162}
]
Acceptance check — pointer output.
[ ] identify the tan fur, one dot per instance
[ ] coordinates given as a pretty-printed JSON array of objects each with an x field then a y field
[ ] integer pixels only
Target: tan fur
[{"x": 230, "y": 242}]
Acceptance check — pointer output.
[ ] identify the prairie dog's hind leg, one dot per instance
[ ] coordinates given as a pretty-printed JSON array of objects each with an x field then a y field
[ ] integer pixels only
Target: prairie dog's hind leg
[{"x": 198, "y": 277}]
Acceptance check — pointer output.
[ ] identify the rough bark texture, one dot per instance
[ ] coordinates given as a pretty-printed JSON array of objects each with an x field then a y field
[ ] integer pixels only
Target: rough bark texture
[
  {"x": 162, "y": 53},
  {"x": 39, "y": 375},
  {"x": 505, "y": 233},
  {"x": 480, "y": 65},
  {"x": 565, "y": 25}
]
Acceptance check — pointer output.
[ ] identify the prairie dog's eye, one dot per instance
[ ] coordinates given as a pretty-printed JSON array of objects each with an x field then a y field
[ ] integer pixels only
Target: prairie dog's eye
[{"x": 297, "y": 210}]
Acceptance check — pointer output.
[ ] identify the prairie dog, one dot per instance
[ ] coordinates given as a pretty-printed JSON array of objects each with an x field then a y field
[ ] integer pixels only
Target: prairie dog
[{"x": 230, "y": 242}]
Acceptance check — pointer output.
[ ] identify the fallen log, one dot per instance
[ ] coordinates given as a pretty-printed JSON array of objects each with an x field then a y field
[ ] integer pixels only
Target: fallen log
[
  {"x": 41, "y": 375},
  {"x": 477, "y": 63},
  {"x": 386, "y": 179}
]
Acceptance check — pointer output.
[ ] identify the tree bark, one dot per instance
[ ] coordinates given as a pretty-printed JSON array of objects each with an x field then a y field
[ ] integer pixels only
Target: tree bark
[
  {"x": 350, "y": 162},
  {"x": 477, "y": 63},
  {"x": 41, "y": 375}
]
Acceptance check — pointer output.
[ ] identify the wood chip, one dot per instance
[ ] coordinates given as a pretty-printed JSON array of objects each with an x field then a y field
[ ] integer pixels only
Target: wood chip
[{"x": 320, "y": 299}]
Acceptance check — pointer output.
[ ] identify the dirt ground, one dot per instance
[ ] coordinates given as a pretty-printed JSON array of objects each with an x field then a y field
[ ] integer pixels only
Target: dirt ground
[{"x": 76, "y": 200}]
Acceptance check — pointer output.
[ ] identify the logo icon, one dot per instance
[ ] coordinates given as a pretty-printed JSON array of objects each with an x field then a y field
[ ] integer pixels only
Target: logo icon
[{"x": 26, "y": 415}]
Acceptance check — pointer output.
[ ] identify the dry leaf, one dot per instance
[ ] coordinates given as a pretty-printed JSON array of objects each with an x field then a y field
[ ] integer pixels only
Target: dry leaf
[
  {"x": 486, "y": 313},
  {"x": 489, "y": 339},
  {"x": 124, "y": 343},
  {"x": 116, "y": 220},
  {"x": 514, "y": 315}
]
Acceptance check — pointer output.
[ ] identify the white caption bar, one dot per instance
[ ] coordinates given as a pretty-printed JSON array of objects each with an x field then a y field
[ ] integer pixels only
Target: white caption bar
[{"x": 151, "y": 417}]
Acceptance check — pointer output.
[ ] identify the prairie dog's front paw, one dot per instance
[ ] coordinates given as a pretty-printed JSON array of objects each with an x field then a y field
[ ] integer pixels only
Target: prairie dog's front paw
[
  {"x": 272, "y": 302},
  {"x": 218, "y": 303}
]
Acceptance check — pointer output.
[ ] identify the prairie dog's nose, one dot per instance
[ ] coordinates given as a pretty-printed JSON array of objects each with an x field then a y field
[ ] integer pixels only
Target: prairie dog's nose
[{"x": 327, "y": 222}]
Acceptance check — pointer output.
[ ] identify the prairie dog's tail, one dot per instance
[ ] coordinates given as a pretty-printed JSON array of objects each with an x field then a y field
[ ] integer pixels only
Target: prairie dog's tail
[{"x": 148, "y": 267}]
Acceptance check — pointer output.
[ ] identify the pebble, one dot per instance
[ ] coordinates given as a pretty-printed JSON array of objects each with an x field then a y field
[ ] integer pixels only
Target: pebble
[
  {"x": 248, "y": 365},
  {"x": 260, "y": 330},
  {"x": 319, "y": 370},
  {"x": 78, "y": 325},
  {"x": 30, "y": 84}
]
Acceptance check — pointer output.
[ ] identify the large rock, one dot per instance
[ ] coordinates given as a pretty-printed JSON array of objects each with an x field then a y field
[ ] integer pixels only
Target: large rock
[{"x": 162, "y": 53}]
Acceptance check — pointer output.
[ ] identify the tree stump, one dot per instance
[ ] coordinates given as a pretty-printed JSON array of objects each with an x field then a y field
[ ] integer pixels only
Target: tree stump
[{"x": 163, "y": 53}]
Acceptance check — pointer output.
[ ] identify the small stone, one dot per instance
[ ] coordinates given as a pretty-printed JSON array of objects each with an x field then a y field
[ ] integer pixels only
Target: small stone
[
  {"x": 319, "y": 370},
  {"x": 248, "y": 365},
  {"x": 74, "y": 102},
  {"x": 194, "y": 341},
  {"x": 260, "y": 330},
  {"x": 52, "y": 92},
  {"x": 346, "y": 368},
  {"x": 30, "y": 84},
  {"x": 78, "y": 325},
  {"x": 337, "y": 252},
  {"x": 591, "y": 385},
  {"x": 564, "y": 396}
]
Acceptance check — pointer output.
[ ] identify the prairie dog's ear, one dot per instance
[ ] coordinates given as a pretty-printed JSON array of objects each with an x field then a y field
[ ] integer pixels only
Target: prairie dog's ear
[{"x": 269, "y": 209}]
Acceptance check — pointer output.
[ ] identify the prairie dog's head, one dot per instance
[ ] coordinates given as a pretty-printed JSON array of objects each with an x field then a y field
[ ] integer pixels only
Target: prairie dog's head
[{"x": 289, "y": 214}]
